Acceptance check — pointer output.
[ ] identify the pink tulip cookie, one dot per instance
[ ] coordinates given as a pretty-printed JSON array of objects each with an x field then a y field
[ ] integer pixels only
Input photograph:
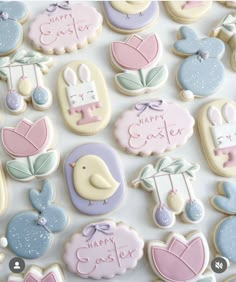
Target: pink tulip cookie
[
  {"x": 138, "y": 58},
  {"x": 180, "y": 259},
  {"x": 153, "y": 127},
  {"x": 217, "y": 126},
  {"x": 24, "y": 73},
  {"x": 29, "y": 143},
  {"x": 53, "y": 273},
  {"x": 170, "y": 183},
  {"x": 83, "y": 98},
  {"x": 103, "y": 250},
  {"x": 65, "y": 27}
]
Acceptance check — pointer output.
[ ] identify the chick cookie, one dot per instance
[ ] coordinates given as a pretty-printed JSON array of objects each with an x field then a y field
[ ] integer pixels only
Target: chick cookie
[{"x": 95, "y": 179}]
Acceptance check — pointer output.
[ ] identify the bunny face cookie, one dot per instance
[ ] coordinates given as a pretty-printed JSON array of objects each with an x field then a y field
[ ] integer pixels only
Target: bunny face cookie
[
  {"x": 95, "y": 179},
  {"x": 217, "y": 129},
  {"x": 12, "y": 15},
  {"x": 83, "y": 98},
  {"x": 136, "y": 57},
  {"x": 201, "y": 74},
  {"x": 29, "y": 234}
]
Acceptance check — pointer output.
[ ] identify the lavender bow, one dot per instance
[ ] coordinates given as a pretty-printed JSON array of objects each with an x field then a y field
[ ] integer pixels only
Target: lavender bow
[
  {"x": 90, "y": 231},
  {"x": 42, "y": 222},
  {"x": 155, "y": 105},
  {"x": 63, "y": 5}
]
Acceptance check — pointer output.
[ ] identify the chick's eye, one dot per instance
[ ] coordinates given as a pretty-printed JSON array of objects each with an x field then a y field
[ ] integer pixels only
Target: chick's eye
[{"x": 84, "y": 167}]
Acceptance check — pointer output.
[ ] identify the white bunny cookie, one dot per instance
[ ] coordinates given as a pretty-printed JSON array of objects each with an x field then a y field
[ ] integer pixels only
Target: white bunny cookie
[
  {"x": 201, "y": 74},
  {"x": 226, "y": 31}
]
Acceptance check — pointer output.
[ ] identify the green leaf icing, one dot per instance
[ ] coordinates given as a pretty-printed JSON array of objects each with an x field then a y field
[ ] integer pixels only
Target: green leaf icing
[
  {"x": 18, "y": 170},
  {"x": 45, "y": 163},
  {"x": 156, "y": 76},
  {"x": 129, "y": 81}
]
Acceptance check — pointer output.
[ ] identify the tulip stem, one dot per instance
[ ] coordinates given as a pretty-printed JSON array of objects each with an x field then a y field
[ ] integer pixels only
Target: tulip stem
[
  {"x": 141, "y": 74},
  {"x": 31, "y": 168}
]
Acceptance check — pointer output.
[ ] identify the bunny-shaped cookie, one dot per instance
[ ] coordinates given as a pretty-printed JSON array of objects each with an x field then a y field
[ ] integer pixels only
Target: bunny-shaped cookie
[
  {"x": 29, "y": 233},
  {"x": 201, "y": 74},
  {"x": 225, "y": 230}
]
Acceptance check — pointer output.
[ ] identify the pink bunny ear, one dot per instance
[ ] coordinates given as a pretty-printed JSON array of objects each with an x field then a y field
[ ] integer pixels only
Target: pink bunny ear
[
  {"x": 84, "y": 73},
  {"x": 214, "y": 115},
  {"x": 229, "y": 112},
  {"x": 69, "y": 76}
]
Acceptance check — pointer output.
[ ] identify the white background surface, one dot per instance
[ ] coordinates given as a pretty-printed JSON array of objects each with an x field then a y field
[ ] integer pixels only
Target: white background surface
[{"x": 137, "y": 209}]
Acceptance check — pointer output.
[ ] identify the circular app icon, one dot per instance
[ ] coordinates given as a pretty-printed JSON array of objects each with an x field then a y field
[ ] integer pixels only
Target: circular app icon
[
  {"x": 17, "y": 265},
  {"x": 219, "y": 264}
]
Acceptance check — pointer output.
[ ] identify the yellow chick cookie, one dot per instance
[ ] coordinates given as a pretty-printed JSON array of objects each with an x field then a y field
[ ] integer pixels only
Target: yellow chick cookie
[{"x": 93, "y": 180}]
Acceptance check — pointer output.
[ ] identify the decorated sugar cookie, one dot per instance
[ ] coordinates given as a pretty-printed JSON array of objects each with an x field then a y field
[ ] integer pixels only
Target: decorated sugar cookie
[
  {"x": 30, "y": 233},
  {"x": 83, "y": 98},
  {"x": 3, "y": 192},
  {"x": 12, "y": 15},
  {"x": 153, "y": 127},
  {"x": 95, "y": 179},
  {"x": 170, "y": 183},
  {"x": 187, "y": 12},
  {"x": 226, "y": 31},
  {"x": 53, "y": 273},
  {"x": 24, "y": 74},
  {"x": 137, "y": 58},
  {"x": 180, "y": 259},
  {"x": 225, "y": 230},
  {"x": 130, "y": 16},
  {"x": 29, "y": 145},
  {"x": 217, "y": 124},
  {"x": 65, "y": 27},
  {"x": 103, "y": 250},
  {"x": 201, "y": 74}
]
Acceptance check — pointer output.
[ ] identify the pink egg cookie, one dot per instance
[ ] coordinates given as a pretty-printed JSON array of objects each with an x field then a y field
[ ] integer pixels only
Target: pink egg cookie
[
  {"x": 65, "y": 27},
  {"x": 103, "y": 249},
  {"x": 138, "y": 57},
  {"x": 180, "y": 259},
  {"x": 153, "y": 127}
]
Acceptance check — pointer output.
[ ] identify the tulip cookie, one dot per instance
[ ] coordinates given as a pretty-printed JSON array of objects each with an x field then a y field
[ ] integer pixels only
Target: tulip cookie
[
  {"x": 30, "y": 233},
  {"x": 53, "y": 273},
  {"x": 12, "y": 15},
  {"x": 180, "y": 259},
  {"x": 226, "y": 31},
  {"x": 170, "y": 183},
  {"x": 187, "y": 12},
  {"x": 65, "y": 27},
  {"x": 103, "y": 249},
  {"x": 130, "y": 16},
  {"x": 28, "y": 144},
  {"x": 217, "y": 129},
  {"x": 95, "y": 179},
  {"x": 153, "y": 127},
  {"x": 24, "y": 73},
  {"x": 138, "y": 57},
  {"x": 201, "y": 74},
  {"x": 83, "y": 98}
]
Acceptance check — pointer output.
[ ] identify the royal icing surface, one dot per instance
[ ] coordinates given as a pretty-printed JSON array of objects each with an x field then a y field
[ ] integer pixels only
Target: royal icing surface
[
  {"x": 201, "y": 72},
  {"x": 24, "y": 74},
  {"x": 83, "y": 98},
  {"x": 36, "y": 274},
  {"x": 153, "y": 127},
  {"x": 11, "y": 14},
  {"x": 217, "y": 125},
  {"x": 133, "y": 56},
  {"x": 30, "y": 233},
  {"x": 125, "y": 20},
  {"x": 64, "y": 27},
  {"x": 170, "y": 183},
  {"x": 28, "y": 144},
  {"x": 176, "y": 261},
  {"x": 95, "y": 179},
  {"x": 103, "y": 249}
]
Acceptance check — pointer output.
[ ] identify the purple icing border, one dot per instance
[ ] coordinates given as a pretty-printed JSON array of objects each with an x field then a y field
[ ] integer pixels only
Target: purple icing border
[
  {"x": 111, "y": 158},
  {"x": 135, "y": 21}
]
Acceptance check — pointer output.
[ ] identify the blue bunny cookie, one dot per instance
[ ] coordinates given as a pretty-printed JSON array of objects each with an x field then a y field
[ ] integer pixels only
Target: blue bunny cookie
[
  {"x": 29, "y": 233},
  {"x": 201, "y": 74},
  {"x": 12, "y": 15},
  {"x": 225, "y": 231}
]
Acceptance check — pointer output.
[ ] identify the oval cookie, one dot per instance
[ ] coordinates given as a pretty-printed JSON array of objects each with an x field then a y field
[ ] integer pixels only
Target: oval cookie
[
  {"x": 95, "y": 179},
  {"x": 83, "y": 98},
  {"x": 217, "y": 125}
]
